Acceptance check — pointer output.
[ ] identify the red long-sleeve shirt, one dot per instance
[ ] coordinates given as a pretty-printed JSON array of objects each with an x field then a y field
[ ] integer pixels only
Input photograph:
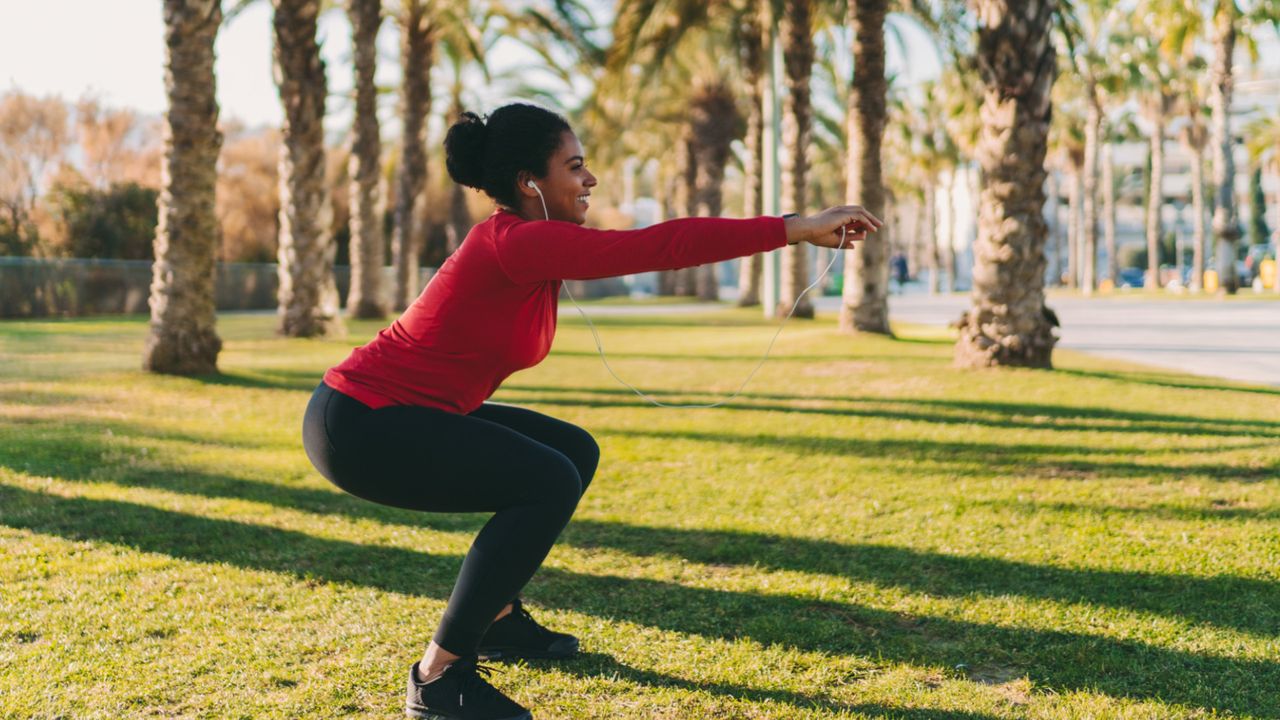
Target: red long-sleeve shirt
[{"x": 491, "y": 308}]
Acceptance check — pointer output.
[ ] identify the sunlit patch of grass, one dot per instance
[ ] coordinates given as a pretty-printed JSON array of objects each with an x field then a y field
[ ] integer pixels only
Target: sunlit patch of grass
[{"x": 866, "y": 532}]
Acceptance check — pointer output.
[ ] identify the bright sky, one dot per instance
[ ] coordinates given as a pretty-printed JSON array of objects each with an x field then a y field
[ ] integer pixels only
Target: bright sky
[{"x": 115, "y": 50}]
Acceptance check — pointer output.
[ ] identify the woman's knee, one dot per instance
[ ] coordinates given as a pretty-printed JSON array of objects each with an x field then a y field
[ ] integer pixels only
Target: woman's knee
[
  {"x": 557, "y": 483},
  {"x": 585, "y": 455}
]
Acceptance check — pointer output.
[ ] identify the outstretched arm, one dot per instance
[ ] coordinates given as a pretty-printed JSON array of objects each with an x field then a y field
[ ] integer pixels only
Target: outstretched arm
[{"x": 553, "y": 250}]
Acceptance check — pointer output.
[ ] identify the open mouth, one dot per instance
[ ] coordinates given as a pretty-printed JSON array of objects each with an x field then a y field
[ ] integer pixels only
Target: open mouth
[{"x": 582, "y": 199}]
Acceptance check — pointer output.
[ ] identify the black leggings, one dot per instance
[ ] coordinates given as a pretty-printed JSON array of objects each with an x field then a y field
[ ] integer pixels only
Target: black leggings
[{"x": 527, "y": 468}]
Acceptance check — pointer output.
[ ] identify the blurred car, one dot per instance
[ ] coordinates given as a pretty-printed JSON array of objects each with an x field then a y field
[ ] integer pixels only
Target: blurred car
[{"x": 1131, "y": 277}]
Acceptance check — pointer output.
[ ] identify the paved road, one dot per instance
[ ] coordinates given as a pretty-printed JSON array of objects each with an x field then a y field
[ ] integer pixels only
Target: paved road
[{"x": 1237, "y": 340}]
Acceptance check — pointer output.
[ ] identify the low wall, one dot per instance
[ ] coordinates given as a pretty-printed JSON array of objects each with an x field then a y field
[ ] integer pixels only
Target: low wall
[{"x": 31, "y": 287}]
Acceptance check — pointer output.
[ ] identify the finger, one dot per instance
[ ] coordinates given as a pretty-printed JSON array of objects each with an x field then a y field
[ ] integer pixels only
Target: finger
[{"x": 871, "y": 221}]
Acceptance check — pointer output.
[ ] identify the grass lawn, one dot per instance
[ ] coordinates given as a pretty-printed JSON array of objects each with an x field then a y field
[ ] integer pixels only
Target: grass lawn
[{"x": 866, "y": 533}]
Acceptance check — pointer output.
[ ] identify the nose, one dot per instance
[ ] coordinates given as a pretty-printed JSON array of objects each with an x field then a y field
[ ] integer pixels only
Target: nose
[{"x": 591, "y": 180}]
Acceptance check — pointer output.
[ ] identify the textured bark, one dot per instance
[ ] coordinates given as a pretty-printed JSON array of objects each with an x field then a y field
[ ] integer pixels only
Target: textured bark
[
  {"x": 751, "y": 268},
  {"x": 714, "y": 124},
  {"x": 796, "y": 30},
  {"x": 183, "y": 339},
  {"x": 1109, "y": 212},
  {"x": 864, "y": 306},
  {"x": 1154, "y": 202},
  {"x": 417, "y": 54},
  {"x": 1226, "y": 221},
  {"x": 930, "y": 217},
  {"x": 1054, "y": 244},
  {"x": 1075, "y": 221},
  {"x": 1089, "y": 206},
  {"x": 365, "y": 298},
  {"x": 459, "y": 215},
  {"x": 1007, "y": 324},
  {"x": 308, "y": 293},
  {"x": 953, "y": 269},
  {"x": 683, "y": 281},
  {"x": 1194, "y": 137}
]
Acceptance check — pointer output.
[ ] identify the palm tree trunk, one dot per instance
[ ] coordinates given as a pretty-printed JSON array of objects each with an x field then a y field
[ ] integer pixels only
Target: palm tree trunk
[
  {"x": 1226, "y": 223},
  {"x": 1197, "y": 217},
  {"x": 308, "y": 293},
  {"x": 864, "y": 306},
  {"x": 183, "y": 339},
  {"x": 797, "y": 119},
  {"x": 365, "y": 298},
  {"x": 1075, "y": 194},
  {"x": 459, "y": 214},
  {"x": 417, "y": 50},
  {"x": 949, "y": 233},
  {"x": 749, "y": 272},
  {"x": 715, "y": 124},
  {"x": 931, "y": 234},
  {"x": 1055, "y": 227},
  {"x": 1092, "y": 135},
  {"x": 683, "y": 280},
  {"x": 1007, "y": 324},
  {"x": 1109, "y": 212},
  {"x": 1155, "y": 202}
]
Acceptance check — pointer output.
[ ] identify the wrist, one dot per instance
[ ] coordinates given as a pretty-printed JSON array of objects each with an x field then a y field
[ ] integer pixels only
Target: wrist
[{"x": 794, "y": 227}]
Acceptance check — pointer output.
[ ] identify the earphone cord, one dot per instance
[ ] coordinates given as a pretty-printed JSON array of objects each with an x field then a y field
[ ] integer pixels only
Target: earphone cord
[{"x": 741, "y": 387}]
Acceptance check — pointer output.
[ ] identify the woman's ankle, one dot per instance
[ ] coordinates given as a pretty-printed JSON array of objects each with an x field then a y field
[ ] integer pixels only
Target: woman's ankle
[{"x": 434, "y": 662}]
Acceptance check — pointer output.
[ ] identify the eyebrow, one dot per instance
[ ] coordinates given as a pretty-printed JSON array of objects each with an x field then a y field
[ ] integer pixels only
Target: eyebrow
[{"x": 575, "y": 157}]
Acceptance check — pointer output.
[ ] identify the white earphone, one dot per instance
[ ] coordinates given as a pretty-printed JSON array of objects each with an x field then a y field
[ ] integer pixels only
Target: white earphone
[{"x": 741, "y": 387}]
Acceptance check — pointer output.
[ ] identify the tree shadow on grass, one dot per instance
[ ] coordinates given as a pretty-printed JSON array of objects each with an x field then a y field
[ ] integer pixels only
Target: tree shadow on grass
[
  {"x": 1219, "y": 512},
  {"x": 87, "y": 456},
  {"x": 1170, "y": 380},
  {"x": 1059, "y": 660},
  {"x": 600, "y": 665},
  {"x": 1004, "y": 415},
  {"x": 1224, "y": 601},
  {"x": 265, "y": 379},
  {"x": 981, "y": 459}
]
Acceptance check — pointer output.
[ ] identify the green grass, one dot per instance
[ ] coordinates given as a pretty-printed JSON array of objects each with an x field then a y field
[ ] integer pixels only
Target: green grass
[{"x": 865, "y": 533}]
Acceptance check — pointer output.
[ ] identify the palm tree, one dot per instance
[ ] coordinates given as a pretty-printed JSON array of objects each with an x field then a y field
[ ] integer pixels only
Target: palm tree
[
  {"x": 684, "y": 55},
  {"x": 365, "y": 297},
  {"x": 308, "y": 294},
  {"x": 1195, "y": 137},
  {"x": 714, "y": 124},
  {"x": 796, "y": 32},
  {"x": 1226, "y": 221},
  {"x": 751, "y": 48},
  {"x": 417, "y": 55},
  {"x": 1156, "y": 102},
  {"x": 1008, "y": 323},
  {"x": 1088, "y": 32},
  {"x": 864, "y": 306},
  {"x": 1264, "y": 149},
  {"x": 183, "y": 339}
]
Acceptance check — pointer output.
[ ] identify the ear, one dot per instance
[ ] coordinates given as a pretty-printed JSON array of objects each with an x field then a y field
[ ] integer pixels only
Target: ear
[{"x": 522, "y": 184}]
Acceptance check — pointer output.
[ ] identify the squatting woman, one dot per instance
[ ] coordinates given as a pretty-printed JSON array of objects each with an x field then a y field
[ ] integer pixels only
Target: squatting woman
[{"x": 404, "y": 421}]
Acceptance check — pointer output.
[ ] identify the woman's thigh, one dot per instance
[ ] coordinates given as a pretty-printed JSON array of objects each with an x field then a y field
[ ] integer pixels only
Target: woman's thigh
[
  {"x": 427, "y": 459},
  {"x": 576, "y": 443}
]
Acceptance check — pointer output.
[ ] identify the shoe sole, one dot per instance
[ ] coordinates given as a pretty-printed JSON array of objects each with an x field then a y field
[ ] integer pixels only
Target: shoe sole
[{"x": 422, "y": 713}]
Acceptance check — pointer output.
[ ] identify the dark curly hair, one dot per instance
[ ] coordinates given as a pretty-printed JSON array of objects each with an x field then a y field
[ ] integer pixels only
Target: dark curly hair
[{"x": 488, "y": 153}]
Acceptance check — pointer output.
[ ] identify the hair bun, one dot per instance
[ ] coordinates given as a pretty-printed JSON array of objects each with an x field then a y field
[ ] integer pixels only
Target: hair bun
[{"x": 464, "y": 150}]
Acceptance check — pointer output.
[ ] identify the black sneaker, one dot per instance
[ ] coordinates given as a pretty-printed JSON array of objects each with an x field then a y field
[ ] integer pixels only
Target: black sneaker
[
  {"x": 460, "y": 694},
  {"x": 518, "y": 635}
]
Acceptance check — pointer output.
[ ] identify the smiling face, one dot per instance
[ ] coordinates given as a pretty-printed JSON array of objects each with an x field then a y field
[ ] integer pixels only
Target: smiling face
[{"x": 566, "y": 186}]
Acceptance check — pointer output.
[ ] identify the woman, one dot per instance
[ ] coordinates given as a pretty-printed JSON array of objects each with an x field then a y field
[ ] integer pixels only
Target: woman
[{"x": 403, "y": 421}]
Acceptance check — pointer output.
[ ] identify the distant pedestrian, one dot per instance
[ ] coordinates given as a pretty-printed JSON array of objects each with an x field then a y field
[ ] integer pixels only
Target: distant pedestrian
[{"x": 900, "y": 271}]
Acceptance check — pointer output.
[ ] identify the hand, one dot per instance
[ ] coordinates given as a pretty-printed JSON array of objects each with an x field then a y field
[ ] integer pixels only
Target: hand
[{"x": 823, "y": 229}]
